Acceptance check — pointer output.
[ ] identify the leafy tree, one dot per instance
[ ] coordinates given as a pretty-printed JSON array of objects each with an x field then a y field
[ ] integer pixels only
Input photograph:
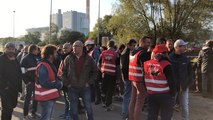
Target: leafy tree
[
  {"x": 70, "y": 36},
  {"x": 187, "y": 19}
]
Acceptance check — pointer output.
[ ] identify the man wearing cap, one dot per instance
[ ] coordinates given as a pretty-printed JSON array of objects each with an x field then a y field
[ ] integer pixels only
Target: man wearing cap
[
  {"x": 182, "y": 75},
  {"x": 159, "y": 84},
  {"x": 10, "y": 81},
  {"x": 94, "y": 52}
]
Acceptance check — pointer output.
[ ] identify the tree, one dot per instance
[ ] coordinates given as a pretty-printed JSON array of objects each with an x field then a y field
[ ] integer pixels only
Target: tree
[
  {"x": 104, "y": 31},
  {"x": 33, "y": 38},
  {"x": 167, "y": 18},
  {"x": 70, "y": 36}
]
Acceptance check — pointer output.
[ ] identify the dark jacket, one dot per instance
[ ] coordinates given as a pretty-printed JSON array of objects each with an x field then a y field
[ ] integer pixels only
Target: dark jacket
[
  {"x": 10, "y": 74},
  {"x": 124, "y": 63},
  {"x": 182, "y": 70},
  {"x": 88, "y": 71},
  {"x": 29, "y": 61},
  {"x": 205, "y": 60}
]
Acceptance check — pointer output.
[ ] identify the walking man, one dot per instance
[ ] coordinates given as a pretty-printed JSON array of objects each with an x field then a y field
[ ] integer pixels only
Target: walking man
[
  {"x": 29, "y": 63},
  {"x": 78, "y": 73},
  {"x": 10, "y": 81},
  {"x": 205, "y": 59},
  {"x": 109, "y": 64},
  {"x": 183, "y": 77},
  {"x": 47, "y": 84},
  {"x": 136, "y": 75},
  {"x": 124, "y": 59},
  {"x": 160, "y": 85}
]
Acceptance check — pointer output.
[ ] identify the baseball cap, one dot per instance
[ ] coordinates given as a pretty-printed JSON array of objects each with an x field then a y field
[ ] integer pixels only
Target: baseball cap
[
  {"x": 89, "y": 42},
  {"x": 180, "y": 42},
  {"x": 160, "y": 49},
  {"x": 9, "y": 45}
]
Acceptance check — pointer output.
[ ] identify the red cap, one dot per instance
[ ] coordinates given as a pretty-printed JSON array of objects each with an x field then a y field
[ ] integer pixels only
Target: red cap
[{"x": 160, "y": 49}]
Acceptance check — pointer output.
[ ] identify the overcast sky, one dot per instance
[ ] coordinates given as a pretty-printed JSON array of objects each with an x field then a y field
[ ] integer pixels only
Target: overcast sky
[{"x": 35, "y": 13}]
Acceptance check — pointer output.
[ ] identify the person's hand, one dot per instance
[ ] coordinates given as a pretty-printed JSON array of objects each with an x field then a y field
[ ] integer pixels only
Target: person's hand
[
  {"x": 6, "y": 88},
  {"x": 61, "y": 85}
]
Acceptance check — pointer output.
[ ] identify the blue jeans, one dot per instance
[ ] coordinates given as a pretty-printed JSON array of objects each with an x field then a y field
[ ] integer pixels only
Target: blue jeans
[
  {"x": 47, "y": 109},
  {"x": 185, "y": 104},
  {"x": 85, "y": 94},
  {"x": 126, "y": 98}
]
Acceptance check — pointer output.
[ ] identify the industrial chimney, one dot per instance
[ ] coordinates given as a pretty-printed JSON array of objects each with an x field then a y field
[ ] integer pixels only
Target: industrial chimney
[{"x": 88, "y": 10}]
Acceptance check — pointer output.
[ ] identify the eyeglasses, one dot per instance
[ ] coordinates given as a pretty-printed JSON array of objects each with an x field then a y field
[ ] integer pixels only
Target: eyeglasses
[{"x": 77, "y": 46}]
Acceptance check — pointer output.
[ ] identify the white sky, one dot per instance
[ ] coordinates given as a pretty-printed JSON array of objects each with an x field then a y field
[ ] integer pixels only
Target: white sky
[{"x": 35, "y": 13}]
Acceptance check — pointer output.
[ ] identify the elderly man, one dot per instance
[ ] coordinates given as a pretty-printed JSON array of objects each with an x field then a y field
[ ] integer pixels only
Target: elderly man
[
  {"x": 10, "y": 81},
  {"x": 78, "y": 73}
]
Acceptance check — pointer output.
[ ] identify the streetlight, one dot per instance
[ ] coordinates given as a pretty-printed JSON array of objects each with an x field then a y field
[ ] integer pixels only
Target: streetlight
[
  {"x": 98, "y": 23},
  {"x": 14, "y": 23},
  {"x": 50, "y": 21}
]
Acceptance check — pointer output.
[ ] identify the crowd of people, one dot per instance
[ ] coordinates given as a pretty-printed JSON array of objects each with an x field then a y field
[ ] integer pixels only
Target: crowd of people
[{"x": 141, "y": 75}]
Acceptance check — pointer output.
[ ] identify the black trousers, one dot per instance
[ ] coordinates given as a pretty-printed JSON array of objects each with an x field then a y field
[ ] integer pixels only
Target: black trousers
[
  {"x": 29, "y": 93},
  {"x": 108, "y": 88},
  {"x": 98, "y": 87},
  {"x": 9, "y": 102},
  {"x": 163, "y": 103}
]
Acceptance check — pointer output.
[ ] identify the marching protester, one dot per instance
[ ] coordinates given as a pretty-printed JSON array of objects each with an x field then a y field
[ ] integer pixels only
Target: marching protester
[
  {"x": 10, "y": 81},
  {"x": 205, "y": 59},
  {"x": 94, "y": 52},
  {"x": 136, "y": 75},
  {"x": 47, "y": 84},
  {"x": 124, "y": 64},
  {"x": 29, "y": 63},
  {"x": 170, "y": 46},
  {"x": 108, "y": 64},
  {"x": 159, "y": 41},
  {"x": 67, "y": 49},
  {"x": 160, "y": 84},
  {"x": 182, "y": 76},
  {"x": 78, "y": 73}
]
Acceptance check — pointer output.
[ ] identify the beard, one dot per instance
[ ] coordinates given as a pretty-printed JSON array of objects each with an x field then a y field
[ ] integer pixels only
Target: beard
[{"x": 10, "y": 54}]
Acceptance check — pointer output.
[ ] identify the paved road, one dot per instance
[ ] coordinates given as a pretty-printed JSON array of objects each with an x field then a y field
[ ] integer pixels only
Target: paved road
[{"x": 200, "y": 109}]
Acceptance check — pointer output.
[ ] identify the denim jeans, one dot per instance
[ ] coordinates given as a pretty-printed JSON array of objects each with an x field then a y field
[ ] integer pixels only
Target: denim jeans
[
  {"x": 185, "y": 104},
  {"x": 67, "y": 104},
  {"x": 47, "y": 109},
  {"x": 126, "y": 98},
  {"x": 163, "y": 103},
  {"x": 85, "y": 94}
]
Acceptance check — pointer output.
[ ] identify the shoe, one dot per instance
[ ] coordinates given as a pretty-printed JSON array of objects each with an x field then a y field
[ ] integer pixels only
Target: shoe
[
  {"x": 177, "y": 108},
  {"x": 124, "y": 118},
  {"x": 62, "y": 116},
  {"x": 68, "y": 118},
  {"x": 35, "y": 116},
  {"x": 108, "y": 108},
  {"x": 26, "y": 118},
  {"x": 97, "y": 102}
]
